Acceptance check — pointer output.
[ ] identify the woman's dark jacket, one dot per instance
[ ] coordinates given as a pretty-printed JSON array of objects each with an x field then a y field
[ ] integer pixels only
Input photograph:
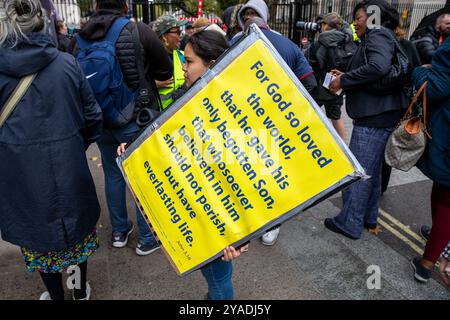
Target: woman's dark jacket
[
  {"x": 371, "y": 62},
  {"x": 48, "y": 198}
]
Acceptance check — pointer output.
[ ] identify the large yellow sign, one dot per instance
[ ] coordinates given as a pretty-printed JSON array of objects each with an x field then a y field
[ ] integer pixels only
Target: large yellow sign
[{"x": 247, "y": 148}]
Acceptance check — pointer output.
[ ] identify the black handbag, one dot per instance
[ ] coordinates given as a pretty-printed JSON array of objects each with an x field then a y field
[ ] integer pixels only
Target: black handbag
[{"x": 397, "y": 77}]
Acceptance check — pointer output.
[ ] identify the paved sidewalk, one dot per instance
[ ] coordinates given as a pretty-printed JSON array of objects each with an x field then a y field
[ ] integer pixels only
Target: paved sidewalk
[{"x": 307, "y": 262}]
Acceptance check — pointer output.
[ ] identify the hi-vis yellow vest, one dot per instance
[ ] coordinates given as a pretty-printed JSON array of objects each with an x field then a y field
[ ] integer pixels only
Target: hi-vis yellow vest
[
  {"x": 178, "y": 79},
  {"x": 355, "y": 36}
]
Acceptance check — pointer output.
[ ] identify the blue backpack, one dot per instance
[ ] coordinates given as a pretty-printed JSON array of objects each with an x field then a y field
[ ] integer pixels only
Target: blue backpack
[{"x": 101, "y": 68}]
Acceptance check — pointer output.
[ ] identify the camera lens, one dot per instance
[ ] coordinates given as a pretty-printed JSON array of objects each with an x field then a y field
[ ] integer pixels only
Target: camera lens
[{"x": 307, "y": 26}]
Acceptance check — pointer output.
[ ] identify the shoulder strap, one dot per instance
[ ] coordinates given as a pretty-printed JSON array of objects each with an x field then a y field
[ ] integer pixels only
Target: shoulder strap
[
  {"x": 425, "y": 110},
  {"x": 115, "y": 30},
  {"x": 111, "y": 36},
  {"x": 15, "y": 97},
  {"x": 139, "y": 56},
  {"x": 422, "y": 90},
  {"x": 416, "y": 97}
]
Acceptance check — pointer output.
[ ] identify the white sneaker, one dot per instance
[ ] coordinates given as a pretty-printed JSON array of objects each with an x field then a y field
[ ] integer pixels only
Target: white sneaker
[
  {"x": 120, "y": 239},
  {"x": 146, "y": 249},
  {"x": 45, "y": 296},
  {"x": 88, "y": 293},
  {"x": 269, "y": 238}
]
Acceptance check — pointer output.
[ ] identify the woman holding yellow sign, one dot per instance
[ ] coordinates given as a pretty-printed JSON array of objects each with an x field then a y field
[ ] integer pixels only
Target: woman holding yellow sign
[{"x": 201, "y": 51}]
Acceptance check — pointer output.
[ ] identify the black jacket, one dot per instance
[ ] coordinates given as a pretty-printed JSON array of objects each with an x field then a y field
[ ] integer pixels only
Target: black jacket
[
  {"x": 48, "y": 199},
  {"x": 319, "y": 57},
  {"x": 368, "y": 109},
  {"x": 411, "y": 52},
  {"x": 156, "y": 60},
  {"x": 426, "y": 41},
  {"x": 430, "y": 20}
]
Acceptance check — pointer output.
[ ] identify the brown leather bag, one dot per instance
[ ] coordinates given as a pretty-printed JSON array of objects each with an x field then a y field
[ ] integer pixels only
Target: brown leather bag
[{"x": 407, "y": 142}]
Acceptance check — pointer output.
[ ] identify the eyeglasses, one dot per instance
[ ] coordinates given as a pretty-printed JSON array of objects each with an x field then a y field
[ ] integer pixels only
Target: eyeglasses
[{"x": 178, "y": 31}]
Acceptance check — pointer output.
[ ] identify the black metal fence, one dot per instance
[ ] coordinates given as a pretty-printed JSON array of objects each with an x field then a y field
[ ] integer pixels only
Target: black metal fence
[
  {"x": 285, "y": 13},
  {"x": 74, "y": 12},
  {"x": 146, "y": 11}
]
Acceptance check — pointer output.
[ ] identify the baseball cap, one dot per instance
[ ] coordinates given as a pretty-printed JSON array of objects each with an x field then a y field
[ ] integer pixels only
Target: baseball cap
[{"x": 165, "y": 23}]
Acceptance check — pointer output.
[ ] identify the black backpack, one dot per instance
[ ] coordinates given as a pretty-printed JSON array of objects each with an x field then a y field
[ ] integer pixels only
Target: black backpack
[{"x": 341, "y": 55}]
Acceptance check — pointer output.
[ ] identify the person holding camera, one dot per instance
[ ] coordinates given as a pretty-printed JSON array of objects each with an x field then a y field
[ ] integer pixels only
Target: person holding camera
[
  {"x": 154, "y": 61},
  {"x": 333, "y": 50}
]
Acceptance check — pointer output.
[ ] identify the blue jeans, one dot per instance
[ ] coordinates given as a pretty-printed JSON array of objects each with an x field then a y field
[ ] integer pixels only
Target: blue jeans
[
  {"x": 218, "y": 276},
  {"x": 115, "y": 184},
  {"x": 361, "y": 199}
]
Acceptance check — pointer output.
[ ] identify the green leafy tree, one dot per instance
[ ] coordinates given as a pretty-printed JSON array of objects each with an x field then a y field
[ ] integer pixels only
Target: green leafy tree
[
  {"x": 228, "y": 3},
  {"x": 212, "y": 6}
]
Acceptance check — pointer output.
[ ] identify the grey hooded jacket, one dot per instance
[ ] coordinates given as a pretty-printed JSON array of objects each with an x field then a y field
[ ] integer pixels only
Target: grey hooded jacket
[
  {"x": 259, "y": 6},
  {"x": 330, "y": 39}
]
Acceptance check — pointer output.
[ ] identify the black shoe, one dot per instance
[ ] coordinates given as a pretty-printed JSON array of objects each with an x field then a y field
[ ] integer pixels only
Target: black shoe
[
  {"x": 329, "y": 224},
  {"x": 421, "y": 273},
  {"x": 370, "y": 225},
  {"x": 425, "y": 232},
  {"x": 120, "y": 239}
]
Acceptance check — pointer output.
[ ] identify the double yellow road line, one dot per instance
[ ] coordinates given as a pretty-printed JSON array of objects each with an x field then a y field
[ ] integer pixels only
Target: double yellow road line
[{"x": 406, "y": 230}]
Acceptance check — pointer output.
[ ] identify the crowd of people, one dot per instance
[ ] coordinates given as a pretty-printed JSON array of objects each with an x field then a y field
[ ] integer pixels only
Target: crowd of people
[{"x": 45, "y": 79}]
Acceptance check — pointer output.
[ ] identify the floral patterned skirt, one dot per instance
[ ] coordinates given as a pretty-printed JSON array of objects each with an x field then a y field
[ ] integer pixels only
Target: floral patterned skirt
[{"x": 60, "y": 261}]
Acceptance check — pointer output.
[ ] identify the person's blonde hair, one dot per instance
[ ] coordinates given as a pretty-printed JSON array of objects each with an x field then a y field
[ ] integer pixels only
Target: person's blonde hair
[
  {"x": 18, "y": 17},
  {"x": 334, "y": 20},
  {"x": 200, "y": 22}
]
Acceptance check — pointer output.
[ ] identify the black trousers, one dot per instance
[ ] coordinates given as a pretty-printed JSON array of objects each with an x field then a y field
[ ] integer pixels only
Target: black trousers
[
  {"x": 385, "y": 176},
  {"x": 54, "y": 284}
]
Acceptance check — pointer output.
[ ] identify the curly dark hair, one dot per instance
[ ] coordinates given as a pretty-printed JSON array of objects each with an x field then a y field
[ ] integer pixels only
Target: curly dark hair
[
  {"x": 389, "y": 15},
  {"x": 111, "y": 4}
]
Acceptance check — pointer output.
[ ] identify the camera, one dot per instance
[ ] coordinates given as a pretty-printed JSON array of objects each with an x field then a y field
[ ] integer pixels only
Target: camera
[
  {"x": 308, "y": 26},
  {"x": 146, "y": 113},
  {"x": 143, "y": 99}
]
